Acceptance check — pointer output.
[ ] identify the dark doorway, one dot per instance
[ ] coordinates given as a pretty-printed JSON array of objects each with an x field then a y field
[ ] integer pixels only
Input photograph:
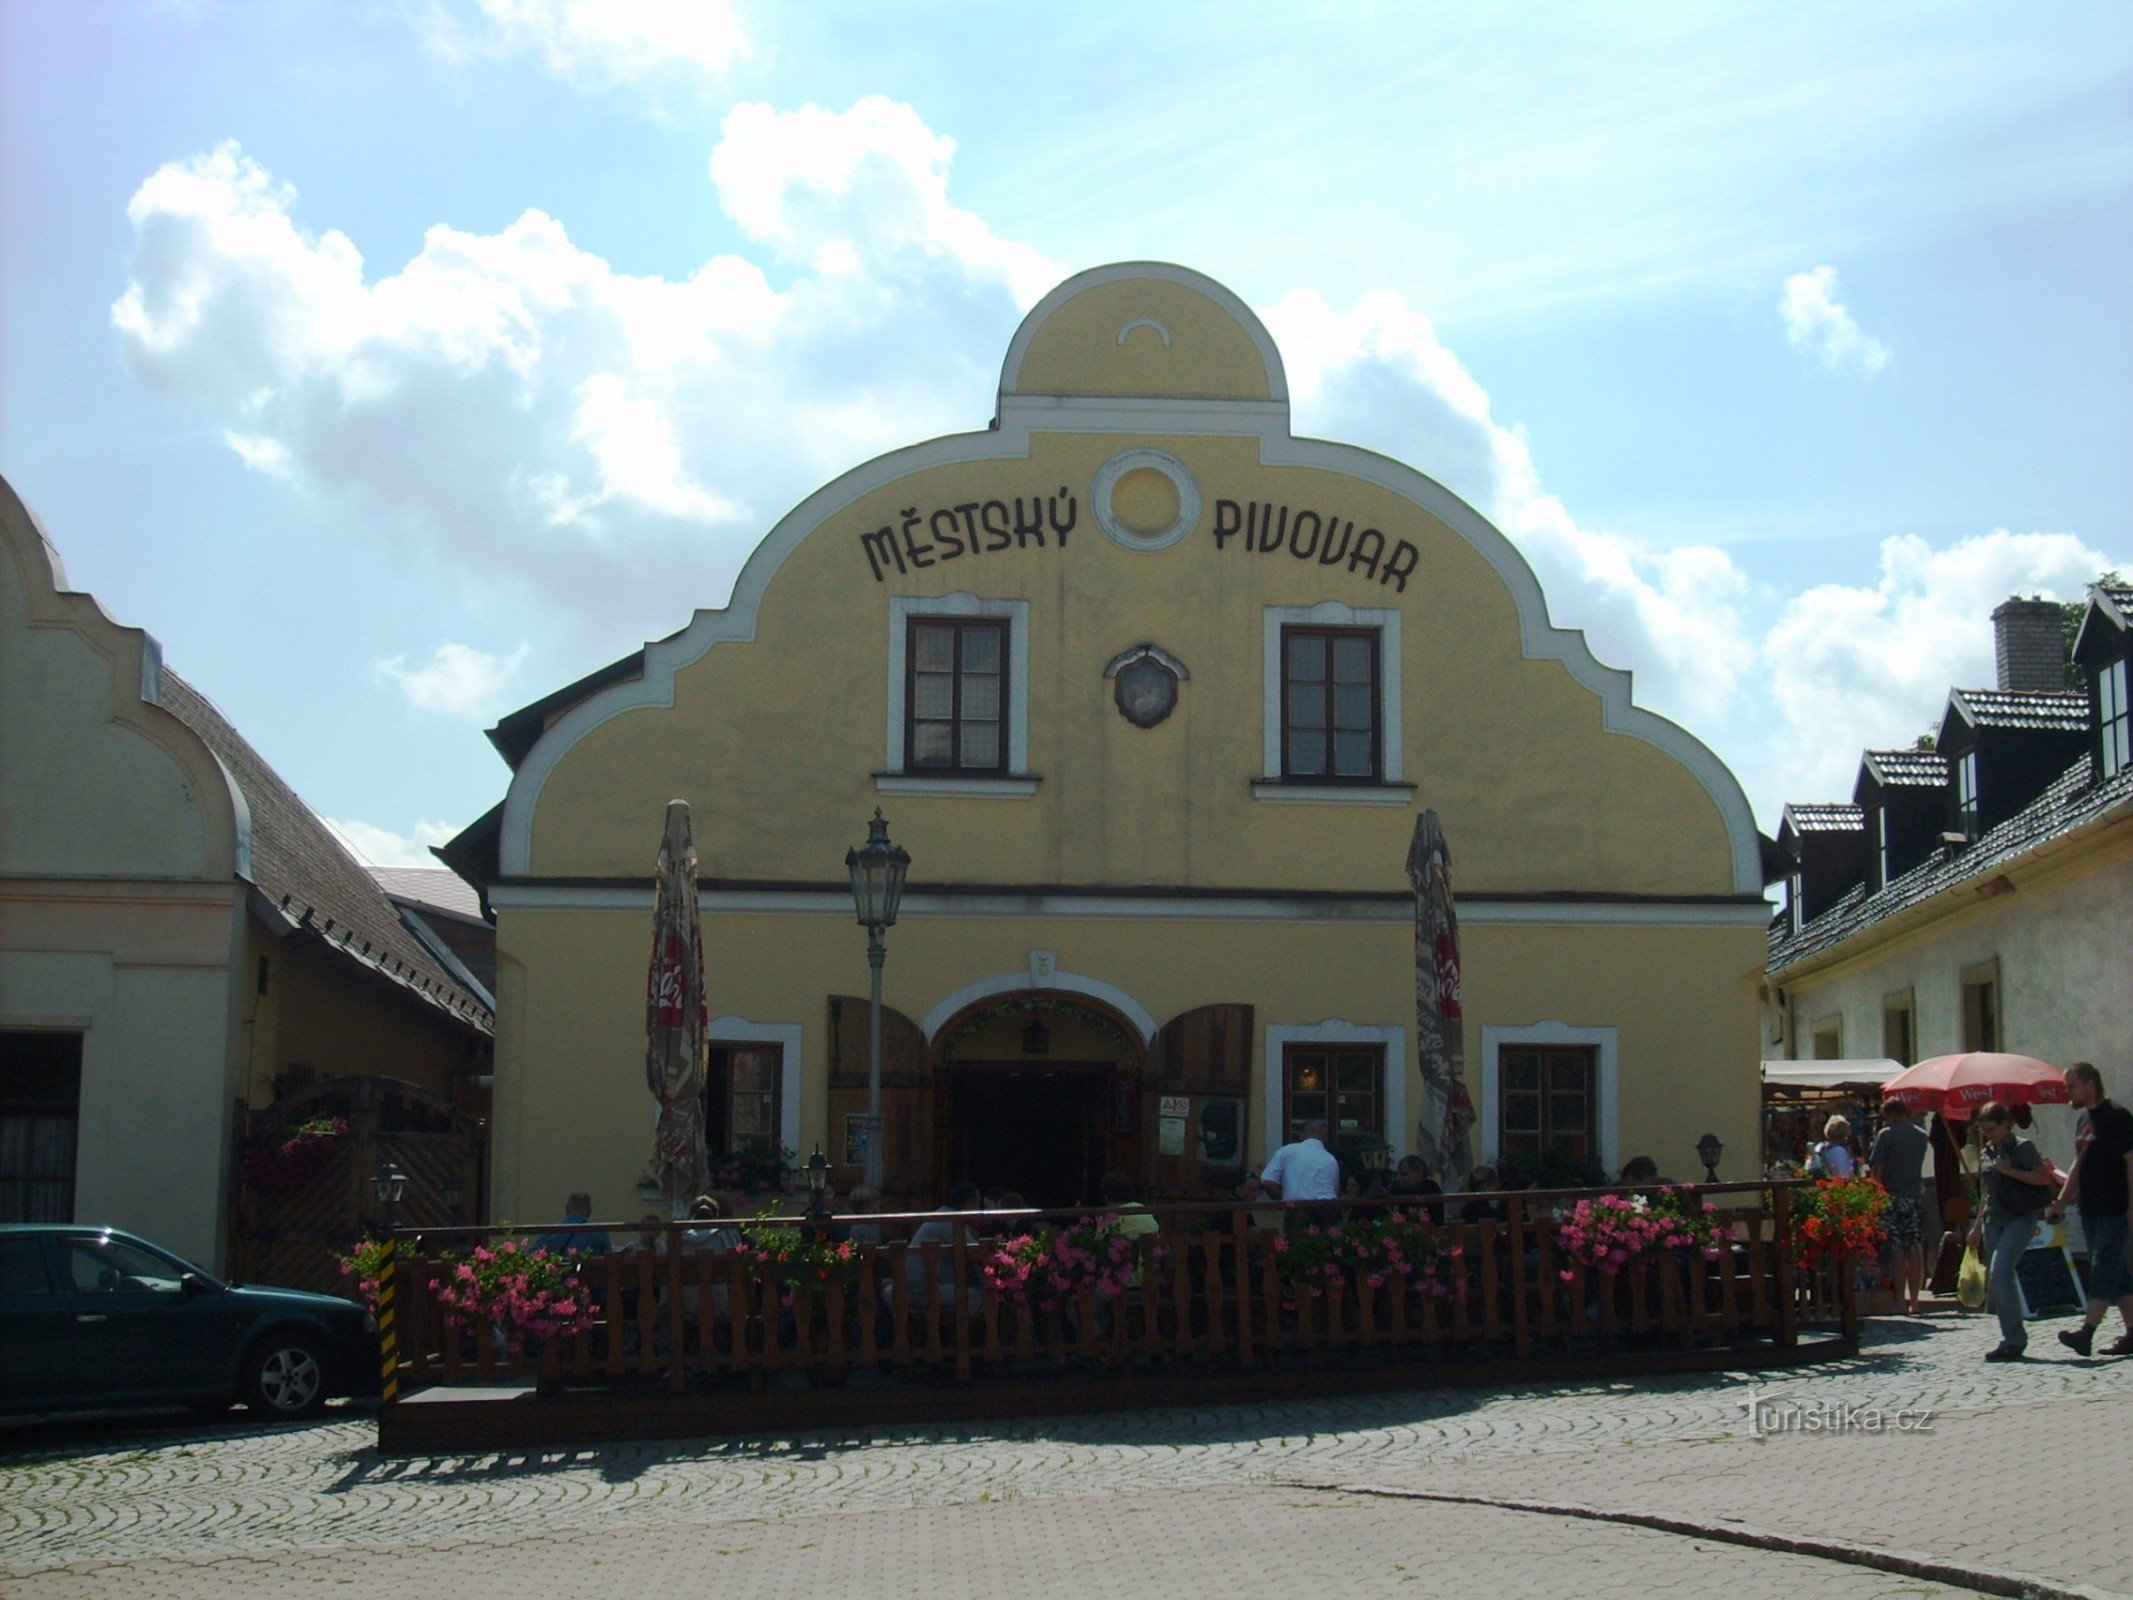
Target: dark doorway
[
  {"x": 40, "y": 1107},
  {"x": 1038, "y": 1131}
]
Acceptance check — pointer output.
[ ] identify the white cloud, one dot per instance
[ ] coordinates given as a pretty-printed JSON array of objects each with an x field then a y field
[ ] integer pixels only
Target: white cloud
[
  {"x": 1857, "y": 668},
  {"x": 1378, "y": 375},
  {"x": 614, "y": 444},
  {"x": 593, "y": 43},
  {"x": 1818, "y": 323},
  {"x": 381, "y": 847},
  {"x": 458, "y": 681}
]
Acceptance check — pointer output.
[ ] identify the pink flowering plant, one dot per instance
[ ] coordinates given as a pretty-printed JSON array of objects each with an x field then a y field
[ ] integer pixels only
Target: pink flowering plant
[
  {"x": 1396, "y": 1247},
  {"x": 1610, "y": 1231},
  {"x": 366, "y": 1265},
  {"x": 277, "y": 1166},
  {"x": 515, "y": 1285},
  {"x": 1096, "y": 1253},
  {"x": 1020, "y": 1268}
]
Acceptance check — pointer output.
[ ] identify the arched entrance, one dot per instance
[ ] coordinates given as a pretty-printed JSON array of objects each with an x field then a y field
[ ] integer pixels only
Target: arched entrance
[{"x": 1040, "y": 1095}]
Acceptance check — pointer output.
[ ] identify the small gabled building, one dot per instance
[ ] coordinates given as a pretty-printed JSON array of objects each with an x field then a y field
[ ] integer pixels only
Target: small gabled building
[
  {"x": 1986, "y": 899},
  {"x": 1902, "y": 795}
]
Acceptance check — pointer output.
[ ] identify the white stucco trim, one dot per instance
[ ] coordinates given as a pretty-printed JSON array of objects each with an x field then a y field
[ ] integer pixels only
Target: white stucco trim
[
  {"x": 1274, "y": 791},
  {"x": 1020, "y": 980},
  {"x": 1137, "y": 908},
  {"x": 1277, "y": 379},
  {"x": 1015, "y": 613},
  {"x": 1181, "y": 479},
  {"x": 1335, "y": 1031},
  {"x": 1330, "y": 614},
  {"x": 980, "y": 788},
  {"x": 1268, "y": 422},
  {"x": 1607, "y": 1086},
  {"x": 787, "y": 1037}
]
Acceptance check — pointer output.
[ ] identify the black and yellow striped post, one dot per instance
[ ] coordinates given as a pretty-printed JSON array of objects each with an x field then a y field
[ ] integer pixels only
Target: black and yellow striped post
[{"x": 388, "y": 1320}]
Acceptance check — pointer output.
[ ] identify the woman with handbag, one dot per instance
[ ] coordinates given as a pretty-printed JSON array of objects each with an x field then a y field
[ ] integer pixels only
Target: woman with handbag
[{"x": 2015, "y": 1184}]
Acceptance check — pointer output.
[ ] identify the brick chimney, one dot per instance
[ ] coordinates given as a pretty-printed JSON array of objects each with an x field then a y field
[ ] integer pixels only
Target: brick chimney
[{"x": 2028, "y": 647}]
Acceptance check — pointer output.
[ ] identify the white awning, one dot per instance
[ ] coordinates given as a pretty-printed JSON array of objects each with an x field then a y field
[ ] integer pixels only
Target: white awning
[{"x": 1828, "y": 1074}]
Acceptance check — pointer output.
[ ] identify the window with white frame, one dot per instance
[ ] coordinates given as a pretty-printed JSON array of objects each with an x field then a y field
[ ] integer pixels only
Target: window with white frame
[
  {"x": 1966, "y": 811},
  {"x": 1332, "y": 706},
  {"x": 2113, "y": 721},
  {"x": 958, "y": 696}
]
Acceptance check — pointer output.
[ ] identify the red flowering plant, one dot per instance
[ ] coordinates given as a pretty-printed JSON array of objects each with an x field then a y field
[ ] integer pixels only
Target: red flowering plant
[
  {"x": 366, "y": 1264},
  {"x": 795, "y": 1255},
  {"x": 515, "y": 1285},
  {"x": 279, "y": 1165},
  {"x": 1610, "y": 1231},
  {"x": 1838, "y": 1216}
]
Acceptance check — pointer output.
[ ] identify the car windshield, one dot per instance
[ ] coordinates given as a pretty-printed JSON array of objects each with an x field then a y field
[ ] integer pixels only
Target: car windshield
[{"x": 111, "y": 1265}]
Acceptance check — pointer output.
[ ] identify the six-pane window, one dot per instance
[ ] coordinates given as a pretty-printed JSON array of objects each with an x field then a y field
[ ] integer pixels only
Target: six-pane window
[
  {"x": 1547, "y": 1101},
  {"x": 1342, "y": 1086},
  {"x": 957, "y": 703},
  {"x": 741, "y": 1108},
  {"x": 1329, "y": 704}
]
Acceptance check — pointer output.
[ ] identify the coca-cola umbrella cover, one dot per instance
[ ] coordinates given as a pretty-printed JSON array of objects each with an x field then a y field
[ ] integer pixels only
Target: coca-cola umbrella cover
[
  {"x": 1440, "y": 1027},
  {"x": 675, "y": 1015}
]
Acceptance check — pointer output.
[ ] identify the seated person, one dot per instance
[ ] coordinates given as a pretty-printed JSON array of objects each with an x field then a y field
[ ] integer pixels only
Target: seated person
[
  {"x": 963, "y": 1196},
  {"x": 573, "y": 1238},
  {"x": 1479, "y": 1181},
  {"x": 1135, "y": 1220},
  {"x": 1411, "y": 1181}
]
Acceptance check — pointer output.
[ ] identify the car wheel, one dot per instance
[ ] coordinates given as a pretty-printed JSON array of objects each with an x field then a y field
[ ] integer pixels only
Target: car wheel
[{"x": 285, "y": 1375}]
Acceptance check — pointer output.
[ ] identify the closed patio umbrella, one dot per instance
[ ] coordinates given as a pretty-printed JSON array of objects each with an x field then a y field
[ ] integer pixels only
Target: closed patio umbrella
[
  {"x": 675, "y": 1015},
  {"x": 1440, "y": 1028}
]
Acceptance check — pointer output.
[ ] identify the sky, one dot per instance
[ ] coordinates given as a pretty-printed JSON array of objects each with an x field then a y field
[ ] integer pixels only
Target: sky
[{"x": 395, "y": 362}]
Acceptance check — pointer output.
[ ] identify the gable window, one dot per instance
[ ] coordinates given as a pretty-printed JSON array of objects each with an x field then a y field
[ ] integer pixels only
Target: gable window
[
  {"x": 1341, "y": 1085},
  {"x": 1966, "y": 795},
  {"x": 1829, "y": 1039},
  {"x": 1331, "y": 729},
  {"x": 956, "y": 705},
  {"x": 1548, "y": 1101},
  {"x": 2113, "y": 721},
  {"x": 742, "y": 1099}
]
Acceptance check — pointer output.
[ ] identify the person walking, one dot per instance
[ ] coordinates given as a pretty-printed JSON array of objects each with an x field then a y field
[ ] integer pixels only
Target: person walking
[
  {"x": 2015, "y": 1184},
  {"x": 1898, "y": 1162},
  {"x": 2100, "y": 1184}
]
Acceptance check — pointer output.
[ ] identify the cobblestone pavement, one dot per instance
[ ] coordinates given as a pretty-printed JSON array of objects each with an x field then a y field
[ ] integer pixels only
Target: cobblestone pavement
[
  {"x": 87, "y": 1498},
  {"x": 1167, "y": 1542}
]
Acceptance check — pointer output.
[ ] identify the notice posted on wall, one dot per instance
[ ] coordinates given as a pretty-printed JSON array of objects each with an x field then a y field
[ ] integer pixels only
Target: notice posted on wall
[{"x": 1170, "y": 1136}]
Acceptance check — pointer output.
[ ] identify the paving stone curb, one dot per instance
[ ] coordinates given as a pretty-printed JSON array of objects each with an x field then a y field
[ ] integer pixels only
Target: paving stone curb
[{"x": 1904, "y": 1563}]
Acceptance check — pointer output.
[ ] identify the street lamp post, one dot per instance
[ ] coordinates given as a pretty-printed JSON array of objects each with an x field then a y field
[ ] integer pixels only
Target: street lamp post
[
  {"x": 389, "y": 1187},
  {"x": 877, "y": 868}
]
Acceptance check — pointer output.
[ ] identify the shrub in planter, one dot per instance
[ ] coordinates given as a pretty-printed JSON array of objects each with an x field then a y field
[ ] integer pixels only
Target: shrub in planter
[
  {"x": 276, "y": 1166},
  {"x": 1610, "y": 1231},
  {"x": 1838, "y": 1215}
]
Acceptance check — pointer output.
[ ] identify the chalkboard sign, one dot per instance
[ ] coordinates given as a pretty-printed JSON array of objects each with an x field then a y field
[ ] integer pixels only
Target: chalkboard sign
[{"x": 2046, "y": 1276}]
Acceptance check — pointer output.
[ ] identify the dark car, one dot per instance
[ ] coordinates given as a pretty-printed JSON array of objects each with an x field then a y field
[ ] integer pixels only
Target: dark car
[{"x": 94, "y": 1317}]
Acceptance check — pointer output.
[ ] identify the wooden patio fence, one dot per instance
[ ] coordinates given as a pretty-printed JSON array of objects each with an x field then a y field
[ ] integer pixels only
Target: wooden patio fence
[{"x": 1208, "y": 1290}]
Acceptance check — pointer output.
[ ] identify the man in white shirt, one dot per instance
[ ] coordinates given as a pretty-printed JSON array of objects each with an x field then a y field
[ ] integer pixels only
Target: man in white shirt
[{"x": 1305, "y": 1170}]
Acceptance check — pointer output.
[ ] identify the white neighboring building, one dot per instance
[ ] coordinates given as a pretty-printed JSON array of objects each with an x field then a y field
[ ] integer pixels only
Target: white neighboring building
[{"x": 1980, "y": 898}]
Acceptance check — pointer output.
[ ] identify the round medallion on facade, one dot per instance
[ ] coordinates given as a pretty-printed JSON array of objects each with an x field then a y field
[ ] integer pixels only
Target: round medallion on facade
[
  {"x": 1144, "y": 683},
  {"x": 1145, "y": 499}
]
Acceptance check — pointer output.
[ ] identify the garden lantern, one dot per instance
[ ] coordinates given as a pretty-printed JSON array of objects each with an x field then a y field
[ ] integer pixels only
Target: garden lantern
[
  {"x": 877, "y": 868},
  {"x": 817, "y": 1170},
  {"x": 1036, "y": 1038},
  {"x": 453, "y": 1190},
  {"x": 389, "y": 1186},
  {"x": 1708, "y": 1150}
]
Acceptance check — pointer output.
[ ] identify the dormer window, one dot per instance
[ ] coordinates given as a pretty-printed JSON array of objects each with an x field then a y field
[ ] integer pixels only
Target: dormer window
[
  {"x": 1966, "y": 796},
  {"x": 1795, "y": 891},
  {"x": 1881, "y": 847},
  {"x": 2113, "y": 724}
]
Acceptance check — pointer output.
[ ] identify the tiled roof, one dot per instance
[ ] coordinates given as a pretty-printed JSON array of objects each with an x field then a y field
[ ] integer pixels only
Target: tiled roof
[
  {"x": 432, "y": 888},
  {"x": 1825, "y": 818},
  {"x": 2061, "y": 711},
  {"x": 309, "y": 875},
  {"x": 2120, "y": 595},
  {"x": 2071, "y": 801},
  {"x": 1908, "y": 768}
]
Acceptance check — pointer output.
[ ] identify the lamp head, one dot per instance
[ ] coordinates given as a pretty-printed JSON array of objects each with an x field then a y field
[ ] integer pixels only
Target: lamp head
[
  {"x": 389, "y": 1184},
  {"x": 877, "y": 868}
]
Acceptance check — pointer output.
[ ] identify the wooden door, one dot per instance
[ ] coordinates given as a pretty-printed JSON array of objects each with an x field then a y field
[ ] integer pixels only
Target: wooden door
[
  {"x": 908, "y": 1146},
  {"x": 1200, "y": 1068}
]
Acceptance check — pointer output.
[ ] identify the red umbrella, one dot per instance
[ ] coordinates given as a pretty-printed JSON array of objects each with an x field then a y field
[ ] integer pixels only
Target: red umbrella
[{"x": 1955, "y": 1086}]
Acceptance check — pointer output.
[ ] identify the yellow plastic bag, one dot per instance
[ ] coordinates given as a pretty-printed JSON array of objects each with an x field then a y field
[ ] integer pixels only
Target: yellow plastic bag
[{"x": 1970, "y": 1280}]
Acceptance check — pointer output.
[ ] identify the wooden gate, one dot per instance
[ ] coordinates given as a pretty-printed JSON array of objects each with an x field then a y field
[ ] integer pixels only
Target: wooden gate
[
  {"x": 293, "y": 1237},
  {"x": 1200, "y": 1083}
]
